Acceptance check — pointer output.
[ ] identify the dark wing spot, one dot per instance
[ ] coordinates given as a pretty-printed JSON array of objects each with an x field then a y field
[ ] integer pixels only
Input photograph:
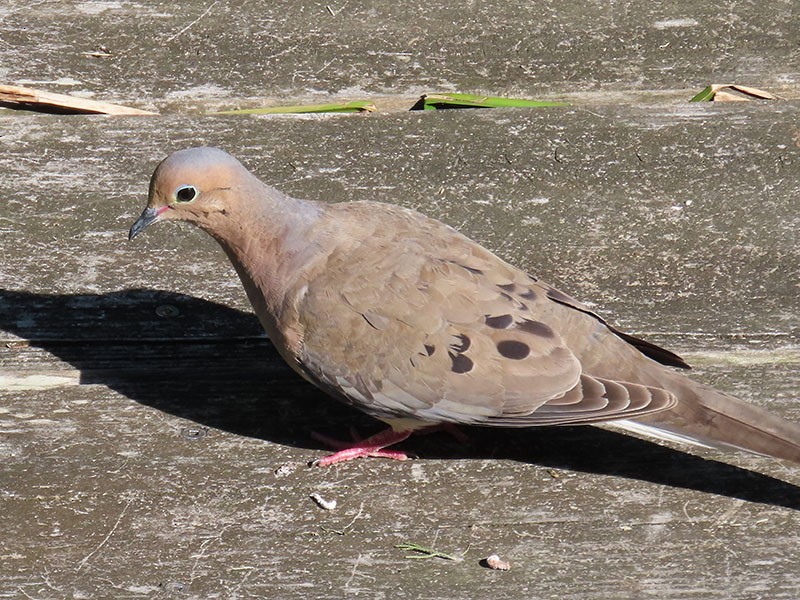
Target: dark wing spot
[
  {"x": 461, "y": 363},
  {"x": 513, "y": 349},
  {"x": 528, "y": 295},
  {"x": 430, "y": 349},
  {"x": 463, "y": 346},
  {"x": 499, "y": 322},
  {"x": 507, "y": 287},
  {"x": 536, "y": 328}
]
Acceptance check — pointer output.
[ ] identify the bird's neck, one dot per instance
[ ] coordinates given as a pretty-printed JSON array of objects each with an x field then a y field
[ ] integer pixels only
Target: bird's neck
[{"x": 267, "y": 238}]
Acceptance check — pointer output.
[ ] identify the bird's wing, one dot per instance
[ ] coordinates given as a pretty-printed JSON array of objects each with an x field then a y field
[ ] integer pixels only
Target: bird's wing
[{"x": 429, "y": 325}]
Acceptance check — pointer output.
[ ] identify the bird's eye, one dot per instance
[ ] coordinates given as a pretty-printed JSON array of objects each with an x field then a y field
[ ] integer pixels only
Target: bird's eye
[{"x": 186, "y": 193}]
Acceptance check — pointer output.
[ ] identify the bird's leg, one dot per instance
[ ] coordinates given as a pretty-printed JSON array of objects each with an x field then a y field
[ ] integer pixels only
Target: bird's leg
[{"x": 372, "y": 446}]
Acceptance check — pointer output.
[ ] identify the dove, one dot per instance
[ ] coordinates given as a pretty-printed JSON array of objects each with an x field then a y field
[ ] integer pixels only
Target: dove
[{"x": 403, "y": 317}]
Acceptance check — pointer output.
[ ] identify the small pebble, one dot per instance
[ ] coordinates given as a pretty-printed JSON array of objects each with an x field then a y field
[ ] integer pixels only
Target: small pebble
[{"x": 497, "y": 563}]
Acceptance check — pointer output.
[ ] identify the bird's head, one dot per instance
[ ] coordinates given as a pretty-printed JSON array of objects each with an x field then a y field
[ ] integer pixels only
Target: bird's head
[{"x": 192, "y": 185}]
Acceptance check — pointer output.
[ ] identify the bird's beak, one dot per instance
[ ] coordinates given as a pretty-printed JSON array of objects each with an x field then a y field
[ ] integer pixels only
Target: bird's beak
[{"x": 148, "y": 216}]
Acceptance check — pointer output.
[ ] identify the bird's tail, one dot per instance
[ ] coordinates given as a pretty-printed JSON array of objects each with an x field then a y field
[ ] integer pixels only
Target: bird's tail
[{"x": 712, "y": 418}]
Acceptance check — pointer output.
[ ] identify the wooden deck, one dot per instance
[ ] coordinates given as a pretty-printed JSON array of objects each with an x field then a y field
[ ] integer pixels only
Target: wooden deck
[{"x": 153, "y": 445}]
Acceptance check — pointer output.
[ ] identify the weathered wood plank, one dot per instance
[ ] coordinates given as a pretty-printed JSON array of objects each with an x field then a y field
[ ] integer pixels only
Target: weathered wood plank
[
  {"x": 198, "y": 52},
  {"x": 194, "y": 499}
]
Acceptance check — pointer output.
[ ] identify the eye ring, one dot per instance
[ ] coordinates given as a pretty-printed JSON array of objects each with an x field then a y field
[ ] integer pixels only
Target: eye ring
[{"x": 186, "y": 193}]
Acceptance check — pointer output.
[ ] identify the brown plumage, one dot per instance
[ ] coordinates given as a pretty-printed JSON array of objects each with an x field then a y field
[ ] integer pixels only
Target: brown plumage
[{"x": 405, "y": 318}]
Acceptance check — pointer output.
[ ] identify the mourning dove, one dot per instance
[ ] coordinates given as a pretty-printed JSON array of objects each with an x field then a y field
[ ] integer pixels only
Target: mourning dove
[{"x": 401, "y": 316}]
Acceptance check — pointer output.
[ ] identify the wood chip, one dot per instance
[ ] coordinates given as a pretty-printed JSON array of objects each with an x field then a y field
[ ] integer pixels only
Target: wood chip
[
  {"x": 30, "y": 99},
  {"x": 325, "y": 504}
]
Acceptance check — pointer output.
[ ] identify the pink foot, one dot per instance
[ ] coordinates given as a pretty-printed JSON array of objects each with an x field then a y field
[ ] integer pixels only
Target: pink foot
[{"x": 372, "y": 447}]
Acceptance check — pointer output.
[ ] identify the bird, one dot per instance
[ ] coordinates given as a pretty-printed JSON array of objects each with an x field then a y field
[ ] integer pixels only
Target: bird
[{"x": 403, "y": 317}]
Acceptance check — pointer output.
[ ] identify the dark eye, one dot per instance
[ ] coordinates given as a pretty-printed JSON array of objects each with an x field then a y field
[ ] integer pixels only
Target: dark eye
[{"x": 186, "y": 193}]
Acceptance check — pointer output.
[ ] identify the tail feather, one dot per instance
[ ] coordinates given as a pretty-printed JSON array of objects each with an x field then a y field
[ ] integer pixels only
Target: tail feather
[{"x": 712, "y": 418}]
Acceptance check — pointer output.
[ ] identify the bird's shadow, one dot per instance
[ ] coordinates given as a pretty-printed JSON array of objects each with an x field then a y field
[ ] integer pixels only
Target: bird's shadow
[{"x": 212, "y": 364}]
